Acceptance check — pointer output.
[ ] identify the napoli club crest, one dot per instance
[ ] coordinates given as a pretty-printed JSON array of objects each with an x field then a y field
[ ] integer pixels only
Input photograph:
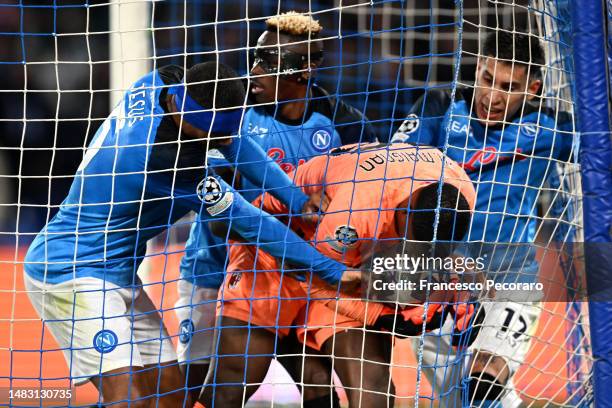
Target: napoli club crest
[
  {"x": 105, "y": 341},
  {"x": 529, "y": 129},
  {"x": 186, "y": 329},
  {"x": 321, "y": 140}
]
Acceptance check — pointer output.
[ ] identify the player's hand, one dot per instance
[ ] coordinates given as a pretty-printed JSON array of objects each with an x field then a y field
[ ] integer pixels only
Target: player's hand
[
  {"x": 315, "y": 207},
  {"x": 351, "y": 281}
]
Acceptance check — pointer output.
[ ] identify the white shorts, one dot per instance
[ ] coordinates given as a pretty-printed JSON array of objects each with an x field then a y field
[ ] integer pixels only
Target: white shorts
[
  {"x": 506, "y": 331},
  {"x": 100, "y": 326},
  {"x": 195, "y": 312}
]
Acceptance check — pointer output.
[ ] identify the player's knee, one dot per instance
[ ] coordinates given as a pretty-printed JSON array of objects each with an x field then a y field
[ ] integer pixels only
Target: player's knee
[
  {"x": 490, "y": 364},
  {"x": 485, "y": 387}
]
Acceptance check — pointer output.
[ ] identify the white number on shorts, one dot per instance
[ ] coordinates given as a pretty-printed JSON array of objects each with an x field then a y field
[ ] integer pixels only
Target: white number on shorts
[{"x": 508, "y": 320}]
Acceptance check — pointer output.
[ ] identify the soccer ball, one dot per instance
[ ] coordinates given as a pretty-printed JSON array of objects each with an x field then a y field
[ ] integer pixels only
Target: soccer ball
[
  {"x": 410, "y": 125},
  {"x": 346, "y": 235},
  {"x": 209, "y": 190}
]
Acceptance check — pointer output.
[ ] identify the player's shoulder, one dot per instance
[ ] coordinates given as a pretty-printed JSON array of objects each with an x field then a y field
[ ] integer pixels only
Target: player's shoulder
[
  {"x": 544, "y": 115},
  {"x": 171, "y": 74},
  {"x": 351, "y": 123},
  {"x": 435, "y": 101},
  {"x": 333, "y": 106}
]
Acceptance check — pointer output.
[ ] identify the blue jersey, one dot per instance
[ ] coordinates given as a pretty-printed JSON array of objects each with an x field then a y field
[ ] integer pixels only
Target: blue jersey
[
  {"x": 136, "y": 179},
  {"x": 327, "y": 123},
  {"x": 509, "y": 165}
]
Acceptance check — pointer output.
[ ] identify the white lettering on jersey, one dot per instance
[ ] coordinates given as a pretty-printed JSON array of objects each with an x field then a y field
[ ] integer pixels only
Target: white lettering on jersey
[
  {"x": 257, "y": 130},
  {"x": 136, "y": 105},
  {"x": 460, "y": 127}
]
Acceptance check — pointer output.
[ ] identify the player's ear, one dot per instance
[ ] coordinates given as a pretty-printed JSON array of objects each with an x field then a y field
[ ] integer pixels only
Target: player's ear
[
  {"x": 307, "y": 73},
  {"x": 533, "y": 88}
]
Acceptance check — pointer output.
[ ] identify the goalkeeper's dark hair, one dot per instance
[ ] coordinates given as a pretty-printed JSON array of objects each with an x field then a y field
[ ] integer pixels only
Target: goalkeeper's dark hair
[
  {"x": 524, "y": 49},
  {"x": 202, "y": 79},
  {"x": 454, "y": 218}
]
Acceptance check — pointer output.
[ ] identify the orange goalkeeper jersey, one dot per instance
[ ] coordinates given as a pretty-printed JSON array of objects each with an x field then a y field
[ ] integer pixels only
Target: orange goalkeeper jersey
[{"x": 365, "y": 185}]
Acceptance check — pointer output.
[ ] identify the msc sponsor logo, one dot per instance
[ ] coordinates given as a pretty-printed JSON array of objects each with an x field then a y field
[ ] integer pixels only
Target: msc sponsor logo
[
  {"x": 490, "y": 155},
  {"x": 278, "y": 155}
]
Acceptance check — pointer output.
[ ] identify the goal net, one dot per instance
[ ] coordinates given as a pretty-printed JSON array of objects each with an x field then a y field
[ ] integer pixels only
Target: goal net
[{"x": 68, "y": 63}]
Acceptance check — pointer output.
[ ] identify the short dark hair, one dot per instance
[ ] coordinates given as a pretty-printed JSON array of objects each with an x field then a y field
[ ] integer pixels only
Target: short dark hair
[
  {"x": 523, "y": 49},
  {"x": 454, "y": 218},
  {"x": 202, "y": 81}
]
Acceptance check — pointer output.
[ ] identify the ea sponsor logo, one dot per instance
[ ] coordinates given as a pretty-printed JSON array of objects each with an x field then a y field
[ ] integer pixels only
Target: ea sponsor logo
[
  {"x": 186, "y": 329},
  {"x": 105, "y": 341},
  {"x": 209, "y": 190},
  {"x": 529, "y": 129},
  {"x": 321, "y": 140}
]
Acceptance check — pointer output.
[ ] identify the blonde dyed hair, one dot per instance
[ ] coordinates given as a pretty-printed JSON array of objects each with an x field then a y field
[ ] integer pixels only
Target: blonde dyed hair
[{"x": 294, "y": 23}]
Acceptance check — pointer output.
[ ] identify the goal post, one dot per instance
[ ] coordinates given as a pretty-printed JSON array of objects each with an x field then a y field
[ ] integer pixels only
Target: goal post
[
  {"x": 592, "y": 89},
  {"x": 130, "y": 44}
]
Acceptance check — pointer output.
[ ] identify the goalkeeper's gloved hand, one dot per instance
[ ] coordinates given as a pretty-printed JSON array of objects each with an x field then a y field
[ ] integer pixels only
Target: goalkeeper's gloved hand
[
  {"x": 412, "y": 321},
  {"x": 467, "y": 318}
]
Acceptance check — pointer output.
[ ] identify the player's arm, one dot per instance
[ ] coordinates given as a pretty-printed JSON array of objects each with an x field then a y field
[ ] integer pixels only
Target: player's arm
[
  {"x": 276, "y": 238},
  {"x": 422, "y": 125},
  {"x": 310, "y": 177},
  {"x": 215, "y": 200},
  {"x": 252, "y": 162}
]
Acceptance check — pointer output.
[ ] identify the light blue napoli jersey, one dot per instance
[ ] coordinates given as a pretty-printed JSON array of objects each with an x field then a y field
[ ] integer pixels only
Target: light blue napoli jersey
[
  {"x": 328, "y": 123},
  {"x": 97, "y": 231},
  {"x": 508, "y": 164},
  {"x": 135, "y": 181}
]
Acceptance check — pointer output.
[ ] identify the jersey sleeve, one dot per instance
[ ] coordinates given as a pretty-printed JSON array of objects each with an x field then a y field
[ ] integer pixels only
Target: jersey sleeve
[
  {"x": 310, "y": 177},
  {"x": 352, "y": 125},
  {"x": 422, "y": 125},
  {"x": 253, "y": 163},
  {"x": 272, "y": 236}
]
